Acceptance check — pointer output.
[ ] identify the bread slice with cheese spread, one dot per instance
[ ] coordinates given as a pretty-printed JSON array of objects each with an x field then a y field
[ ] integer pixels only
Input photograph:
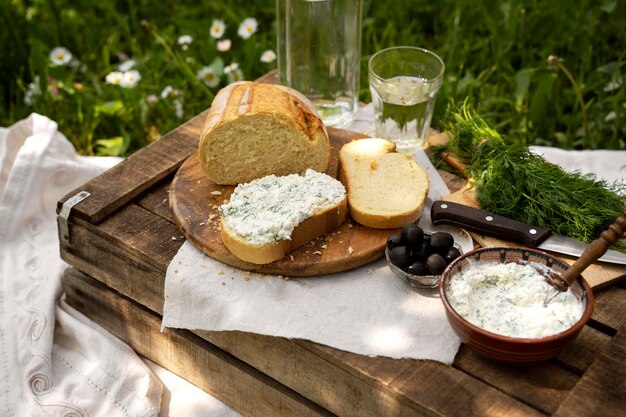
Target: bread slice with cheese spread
[
  {"x": 386, "y": 189},
  {"x": 267, "y": 218},
  {"x": 253, "y": 130}
]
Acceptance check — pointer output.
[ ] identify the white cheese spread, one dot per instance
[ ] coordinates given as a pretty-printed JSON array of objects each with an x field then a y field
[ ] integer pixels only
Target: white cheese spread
[
  {"x": 267, "y": 210},
  {"x": 507, "y": 299}
]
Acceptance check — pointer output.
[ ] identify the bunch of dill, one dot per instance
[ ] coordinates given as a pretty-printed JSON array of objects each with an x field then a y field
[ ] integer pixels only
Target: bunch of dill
[{"x": 512, "y": 181}]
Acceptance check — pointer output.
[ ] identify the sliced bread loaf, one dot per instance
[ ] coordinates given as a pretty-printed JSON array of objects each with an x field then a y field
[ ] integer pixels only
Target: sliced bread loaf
[
  {"x": 253, "y": 130},
  {"x": 271, "y": 216},
  {"x": 386, "y": 189}
]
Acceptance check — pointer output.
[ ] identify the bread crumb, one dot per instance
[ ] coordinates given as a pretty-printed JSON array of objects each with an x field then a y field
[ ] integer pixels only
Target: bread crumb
[
  {"x": 317, "y": 253},
  {"x": 286, "y": 278},
  {"x": 216, "y": 193},
  {"x": 373, "y": 165},
  {"x": 164, "y": 201},
  {"x": 198, "y": 182},
  {"x": 291, "y": 257},
  {"x": 246, "y": 278},
  {"x": 214, "y": 207},
  {"x": 341, "y": 242},
  {"x": 370, "y": 271},
  {"x": 173, "y": 237},
  {"x": 220, "y": 272},
  {"x": 212, "y": 216},
  {"x": 350, "y": 250},
  {"x": 350, "y": 226},
  {"x": 176, "y": 271},
  {"x": 324, "y": 246},
  {"x": 201, "y": 224}
]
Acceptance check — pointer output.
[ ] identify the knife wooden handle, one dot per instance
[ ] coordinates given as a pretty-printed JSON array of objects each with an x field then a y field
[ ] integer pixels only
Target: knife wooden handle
[
  {"x": 596, "y": 249},
  {"x": 481, "y": 221}
]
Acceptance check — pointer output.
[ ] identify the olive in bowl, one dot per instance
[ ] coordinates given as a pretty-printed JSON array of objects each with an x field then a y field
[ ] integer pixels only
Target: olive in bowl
[{"x": 420, "y": 257}]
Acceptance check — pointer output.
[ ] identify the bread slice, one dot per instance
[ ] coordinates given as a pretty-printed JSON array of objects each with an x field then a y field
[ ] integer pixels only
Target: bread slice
[
  {"x": 253, "y": 130},
  {"x": 267, "y": 218},
  {"x": 386, "y": 189}
]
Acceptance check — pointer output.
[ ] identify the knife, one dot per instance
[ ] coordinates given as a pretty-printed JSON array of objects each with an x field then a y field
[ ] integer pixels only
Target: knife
[{"x": 481, "y": 221}]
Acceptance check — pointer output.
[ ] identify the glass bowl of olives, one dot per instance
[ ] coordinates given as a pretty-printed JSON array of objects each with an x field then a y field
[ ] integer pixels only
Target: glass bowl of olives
[{"x": 420, "y": 257}]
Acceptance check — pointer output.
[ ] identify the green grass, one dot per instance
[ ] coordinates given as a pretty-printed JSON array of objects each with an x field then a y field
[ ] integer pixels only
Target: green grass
[{"x": 547, "y": 73}]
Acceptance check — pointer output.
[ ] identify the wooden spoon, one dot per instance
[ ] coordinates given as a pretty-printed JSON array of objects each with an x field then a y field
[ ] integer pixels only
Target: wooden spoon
[{"x": 596, "y": 249}]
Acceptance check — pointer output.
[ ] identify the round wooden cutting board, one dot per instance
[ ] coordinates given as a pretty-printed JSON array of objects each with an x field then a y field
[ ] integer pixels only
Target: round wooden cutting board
[{"x": 194, "y": 200}]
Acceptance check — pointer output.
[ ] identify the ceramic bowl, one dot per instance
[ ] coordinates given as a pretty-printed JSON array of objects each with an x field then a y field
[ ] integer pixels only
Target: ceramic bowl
[{"x": 513, "y": 349}]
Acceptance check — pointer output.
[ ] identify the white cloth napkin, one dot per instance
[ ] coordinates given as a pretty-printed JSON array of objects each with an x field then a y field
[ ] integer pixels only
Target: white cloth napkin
[
  {"x": 53, "y": 360},
  {"x": 368, "y": 310},
  {"x": 604, "y": 164}
]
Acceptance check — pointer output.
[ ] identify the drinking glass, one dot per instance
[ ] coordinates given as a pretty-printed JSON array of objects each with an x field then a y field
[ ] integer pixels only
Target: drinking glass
[
  {"x": 319, "y": 48},
  {"x": 404, "y": 81}
]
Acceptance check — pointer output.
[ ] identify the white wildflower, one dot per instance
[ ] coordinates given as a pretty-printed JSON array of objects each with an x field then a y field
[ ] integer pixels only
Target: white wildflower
[
  {"x": 152, "y": 98},
  {"x": 209, "y": 77},
  {"x": 217, "y": 28},
  {"x": 248, "y": 27},
  {"x": 233, "y": 73},
  {"x": 230, "y": 68},
  {"x": 185, "y": 40},
  {"x": 613, "y": 85},
  {"x": 32, "y": 91},
  {"x": 224, "y": 45},
  {"x": 178, "y": 108},
  {"x": 268, "y": 56},
  {"x": 126, "y": 65},
  {"x": 60, "y": 56},
  {"x": 235, "y": 76},
  {"x": 169, "y": 92},
  {"x": 114, "y": 78},
  {"x": 130, "y": 79}
]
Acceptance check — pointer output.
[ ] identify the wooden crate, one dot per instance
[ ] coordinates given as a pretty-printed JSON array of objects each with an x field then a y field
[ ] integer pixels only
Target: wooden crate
[{"x": 122, "y": 238}]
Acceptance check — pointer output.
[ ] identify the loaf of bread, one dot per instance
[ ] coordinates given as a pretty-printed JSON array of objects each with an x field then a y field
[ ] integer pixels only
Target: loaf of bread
[
  {"x": 271, "y": 216},
  {"x": 253, "y": 130},
  {"x": 386, "y": 189}
]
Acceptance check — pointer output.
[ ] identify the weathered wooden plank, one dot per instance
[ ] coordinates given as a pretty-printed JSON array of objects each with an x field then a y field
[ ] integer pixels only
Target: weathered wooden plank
[
  {"x": 119, "y": 185},
  {"x": 543, "y": 386},
  {"x": 446, "y": 391},
  {"x": 156, "y": 201},
  {"x": 610, "y": 308},
  {"x": 602, "y": 390},
  {"x": 213, "y": 370},
  {"x": 580, "y": 354}
]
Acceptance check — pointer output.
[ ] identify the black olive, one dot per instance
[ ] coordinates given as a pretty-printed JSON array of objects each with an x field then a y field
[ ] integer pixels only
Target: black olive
[
  {"x": 436, "y": 264},
  {"x": 412, "y": 234},
  {"x": 452, "y": 254},
  {"x": 441, "y": 240},
  {"x": 420, "y": 252},
  {"x": 393, "y": 241},
  {"x": 417, "y": 268},
  {"x": 400, "y": 256}
]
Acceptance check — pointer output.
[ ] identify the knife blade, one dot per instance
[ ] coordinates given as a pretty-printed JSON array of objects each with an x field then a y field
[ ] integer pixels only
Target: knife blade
[{"x": 481, "y": 221}]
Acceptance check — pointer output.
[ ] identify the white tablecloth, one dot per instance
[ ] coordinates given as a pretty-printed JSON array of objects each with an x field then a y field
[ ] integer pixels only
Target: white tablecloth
[{"x": 53, "y": 360}]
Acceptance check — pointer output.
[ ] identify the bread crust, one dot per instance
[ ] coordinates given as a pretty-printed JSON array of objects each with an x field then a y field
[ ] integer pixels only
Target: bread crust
[
  {"x": 242, "y": 104},
  {"x": 322, "y": 222}
]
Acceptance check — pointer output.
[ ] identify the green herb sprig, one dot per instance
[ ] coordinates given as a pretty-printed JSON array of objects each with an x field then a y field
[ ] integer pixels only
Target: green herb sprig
[{"x": 512, "y": 181}]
